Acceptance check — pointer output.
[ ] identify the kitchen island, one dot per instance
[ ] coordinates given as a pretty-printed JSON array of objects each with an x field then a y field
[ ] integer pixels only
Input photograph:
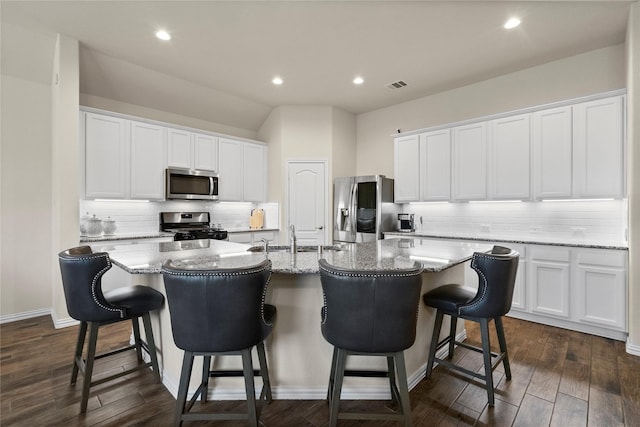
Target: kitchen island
[{"x": 299, "y": 358}]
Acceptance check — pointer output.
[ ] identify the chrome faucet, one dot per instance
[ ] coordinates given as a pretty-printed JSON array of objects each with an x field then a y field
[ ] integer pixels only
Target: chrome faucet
[
  {"x": 292, "y": 239},
  {"x": 265, "y": 246}
]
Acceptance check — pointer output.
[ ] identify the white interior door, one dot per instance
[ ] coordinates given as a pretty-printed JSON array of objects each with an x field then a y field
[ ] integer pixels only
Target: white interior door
[{"x": 307, "y": 201}]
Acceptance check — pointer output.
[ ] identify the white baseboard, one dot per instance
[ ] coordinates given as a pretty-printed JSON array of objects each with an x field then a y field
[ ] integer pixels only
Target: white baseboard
[
  {"x": 25, "y": 315},
  {"x": 633, "y": 349}
]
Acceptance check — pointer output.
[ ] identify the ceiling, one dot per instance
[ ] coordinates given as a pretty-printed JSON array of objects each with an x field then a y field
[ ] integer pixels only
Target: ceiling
[{"x": 223, "y": 55}]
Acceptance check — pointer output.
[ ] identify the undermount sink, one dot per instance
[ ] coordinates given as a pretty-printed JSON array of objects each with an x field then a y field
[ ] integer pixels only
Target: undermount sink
[{"x": 288, "y": 248}]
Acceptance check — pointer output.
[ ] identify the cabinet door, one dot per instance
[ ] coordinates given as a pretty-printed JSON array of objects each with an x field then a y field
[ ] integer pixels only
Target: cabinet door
[
  {"x": 469, "y": 166},
  {"x": 548, "y": 283},
  {"x": 598, "y": 159},
  {"x": 241, "y": 237},
  {"x": 435, "y": 166},
  {"x": 230, "y": 169},
  {"x": 106, "y": 157},
  {"x": 552, "y": 153},
  {"x": 179, "y": 152},
  {"x": 519, "y": 300},
  {"x": 147, "y": 161},
  {"x": 509, "y": 159},
  {"x": 255, "y": 173},
  {"x": 205, "y": 152},
  {"x": 600, "y": 288},
  {"x": 407, "y": 169}
]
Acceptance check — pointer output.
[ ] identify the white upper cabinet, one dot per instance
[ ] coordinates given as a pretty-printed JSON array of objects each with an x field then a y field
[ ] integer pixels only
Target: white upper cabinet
[
  {"x": 191, "y": 150},
  {"x": 179, "y": 149},
  {"x": 509, "y": 157},
  {"x": 435, "y": 166},
  {"x": 552, "y": 153},
  {"x": 106, "y": 156},
  {"x": 469, "y": 162},
  {"x": 255, "y": 173},
  {"x": 147, "y": 161},
  {"x": 205, "y": 152},
  {"x": 231, "y": 170},
  {"x": 598, "y": 148},
  {"x": 407, "y": 169}
]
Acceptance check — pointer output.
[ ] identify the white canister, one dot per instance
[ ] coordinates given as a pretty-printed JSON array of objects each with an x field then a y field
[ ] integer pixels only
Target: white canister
[
  {"x": 109, "y": 226},
  {"x": 94, "y": 226}
]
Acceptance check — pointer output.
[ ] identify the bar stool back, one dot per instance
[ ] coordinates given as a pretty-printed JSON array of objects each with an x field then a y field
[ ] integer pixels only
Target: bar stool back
[
  {"x": 370, "y": 313},
  {"x": 220, "y": 312},
  {"x": 497, "y": 274},
  {"x": 82, "y": 271}
]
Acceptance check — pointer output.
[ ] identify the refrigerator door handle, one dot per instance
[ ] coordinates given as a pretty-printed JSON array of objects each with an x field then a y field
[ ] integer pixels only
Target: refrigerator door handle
[{"x": 353, "y": 206}]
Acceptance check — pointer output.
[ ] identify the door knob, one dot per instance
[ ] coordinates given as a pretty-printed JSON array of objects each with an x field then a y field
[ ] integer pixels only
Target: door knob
[{"x": 320, "y": 228}]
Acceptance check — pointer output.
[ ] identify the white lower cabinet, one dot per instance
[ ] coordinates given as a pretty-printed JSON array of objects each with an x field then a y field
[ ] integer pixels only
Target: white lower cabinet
[
  {"x": 600, "y": 288},
  {"x": 549, "y": 281},
  {"x": 577, "y": 288}
]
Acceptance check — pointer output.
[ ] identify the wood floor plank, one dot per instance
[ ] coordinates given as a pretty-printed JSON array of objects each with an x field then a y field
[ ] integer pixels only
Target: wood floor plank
[
  {"x": 575, "y": 379},
  {"x": 569, "y": 412},
  {"x": 605, "y": 409},
  {"x": 501, "y": 414},
  {"x": 533, "y": 412}
]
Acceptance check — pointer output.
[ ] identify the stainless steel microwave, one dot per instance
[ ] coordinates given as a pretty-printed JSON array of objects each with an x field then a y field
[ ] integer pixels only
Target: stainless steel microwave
[{"x": 191, "y": 184}]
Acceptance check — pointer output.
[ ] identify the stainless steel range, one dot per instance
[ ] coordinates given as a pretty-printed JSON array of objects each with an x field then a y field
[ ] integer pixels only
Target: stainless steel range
[{"x": 190, "y": 226}]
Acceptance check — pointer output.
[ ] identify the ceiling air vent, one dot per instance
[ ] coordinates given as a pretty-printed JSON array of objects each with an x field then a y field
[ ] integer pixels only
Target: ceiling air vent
[{"x": 396, "y": 85}]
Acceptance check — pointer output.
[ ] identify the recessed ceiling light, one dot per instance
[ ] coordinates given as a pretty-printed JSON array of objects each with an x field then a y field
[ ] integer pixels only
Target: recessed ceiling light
[
  {"x": 163, "y": 35},
  {"x": 358, "y": 80},
  {"x": 277, "y": 81},
  {"x": 511, "y": 23}
]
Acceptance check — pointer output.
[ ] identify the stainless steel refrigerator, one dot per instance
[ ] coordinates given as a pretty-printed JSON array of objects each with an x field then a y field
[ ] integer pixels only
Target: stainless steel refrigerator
[{"x": 363, "y": 208}]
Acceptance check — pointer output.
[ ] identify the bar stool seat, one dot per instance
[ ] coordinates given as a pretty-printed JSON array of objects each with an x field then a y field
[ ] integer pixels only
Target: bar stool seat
[
  {"x": 492, "y": 300},
  {"x": 370, "y": 313},
  {"x": 220, "y": 312},
  {"x": 82, "y": 271}
]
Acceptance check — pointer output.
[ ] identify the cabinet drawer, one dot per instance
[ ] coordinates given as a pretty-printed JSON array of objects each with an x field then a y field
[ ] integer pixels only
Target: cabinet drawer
[{"x": 608, "y": 258}]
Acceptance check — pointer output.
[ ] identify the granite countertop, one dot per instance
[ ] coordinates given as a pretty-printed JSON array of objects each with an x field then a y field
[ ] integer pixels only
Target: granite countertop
[
  {"x": 126, "y": 236},
  {"x": 579, "y": 243},
  {"x": 388, "y": 254}
]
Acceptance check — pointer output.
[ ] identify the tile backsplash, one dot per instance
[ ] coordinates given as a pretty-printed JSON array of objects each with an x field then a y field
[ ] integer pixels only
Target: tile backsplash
[
  {"x": 143, "y": 217},
  {"x": 601, "y": 221}
]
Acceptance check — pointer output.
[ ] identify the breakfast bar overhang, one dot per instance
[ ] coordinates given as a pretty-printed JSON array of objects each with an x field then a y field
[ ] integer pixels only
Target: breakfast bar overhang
[{"x": 298, "y": 356}]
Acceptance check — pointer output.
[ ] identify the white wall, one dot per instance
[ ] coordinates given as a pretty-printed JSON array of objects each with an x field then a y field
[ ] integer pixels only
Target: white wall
[
  {"x": 25, "y": 197},
  {"x": 592, "y": 72},
  {"x": 633, "y": 170}
]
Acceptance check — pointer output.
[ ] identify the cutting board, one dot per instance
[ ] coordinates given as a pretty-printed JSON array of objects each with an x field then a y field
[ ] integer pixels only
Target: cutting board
[{"x": 256, "y": 220}]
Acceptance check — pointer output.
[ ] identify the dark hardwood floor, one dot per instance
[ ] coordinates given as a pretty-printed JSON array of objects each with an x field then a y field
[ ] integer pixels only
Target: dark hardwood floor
[{"x": 560, "y": 378}]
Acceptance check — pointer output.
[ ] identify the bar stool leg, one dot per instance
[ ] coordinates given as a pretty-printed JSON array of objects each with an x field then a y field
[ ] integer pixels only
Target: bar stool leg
[
  {"x": 151, "y": 344},
  {"x": 332, "y": 375},
  {"x": 403, "y": 388},
  {"x": 183, "y": 387},
  {"x": 264, "y": 373},
  {"x": 136, "y": 338},
  {"x": 334, "y": 408},
  {"x": 452, "y": 335},
  {"x": 247, "y": 367},
  {"x": 503, "y": 346},
  {"x": 204, "y": 384},
  {"x": 486, "y": 352},
  {"x": 88, "y": 370},
  {"x": 77, "y": 358},
  {"x": 435, "y": 338},
  {"x": 391, "y": 372}
]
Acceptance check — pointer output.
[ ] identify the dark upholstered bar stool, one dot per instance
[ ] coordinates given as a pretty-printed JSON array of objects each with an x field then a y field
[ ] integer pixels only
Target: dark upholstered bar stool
[
  {"x": 497, "y": 274},
  {"x": 220, "y": 312},
  {"x": 82, "y": 271},
  {"x": 371, "y": 313}
]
